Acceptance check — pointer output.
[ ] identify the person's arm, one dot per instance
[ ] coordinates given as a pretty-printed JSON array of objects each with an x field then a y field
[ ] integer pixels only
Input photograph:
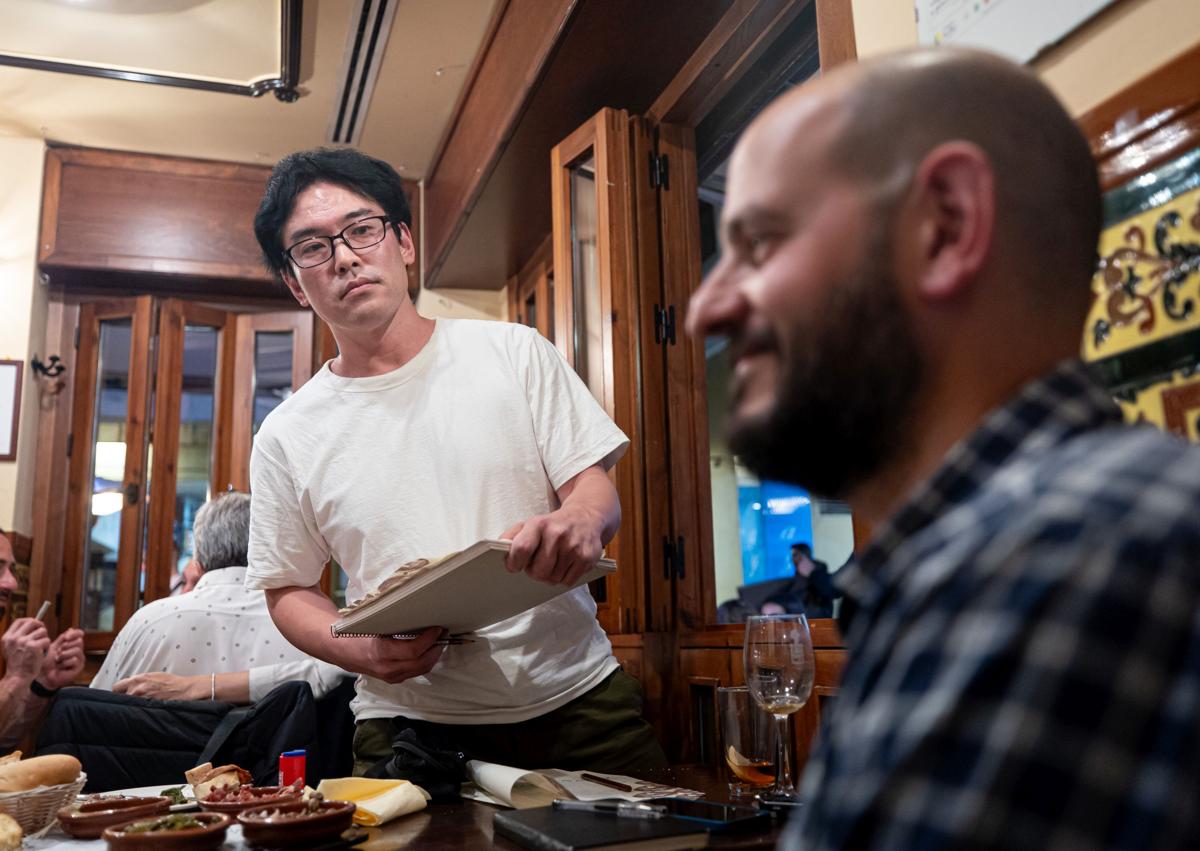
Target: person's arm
[
  {"x": 561, "y": 546},
  {"x": 25, "y": 643},
  {"x": 320, "y": 675},
  {"x": 304, "y": 616},
  {"x": 232, "y": 687}
]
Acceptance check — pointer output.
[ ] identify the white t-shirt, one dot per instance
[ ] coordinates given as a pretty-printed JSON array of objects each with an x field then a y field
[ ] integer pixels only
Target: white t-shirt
[
  {"x": 472, "y": 435},
  {"x": 218, "y": 628}
]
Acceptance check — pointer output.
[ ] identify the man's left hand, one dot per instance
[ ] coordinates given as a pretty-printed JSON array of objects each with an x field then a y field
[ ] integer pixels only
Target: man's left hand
[
  {"x": 64, "y": 660},
  {"x": 558, "y": 547},
  {"x": 160, "y": 685}
]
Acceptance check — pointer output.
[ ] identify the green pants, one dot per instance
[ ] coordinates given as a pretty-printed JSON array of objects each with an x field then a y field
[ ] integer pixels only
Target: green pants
[{"x": 601, "y": 730}]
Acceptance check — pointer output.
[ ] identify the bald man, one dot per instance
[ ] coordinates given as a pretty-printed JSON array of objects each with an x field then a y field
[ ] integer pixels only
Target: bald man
[
  {"x": 34, "y": 666},
  {"x": 907, "y": 250}
]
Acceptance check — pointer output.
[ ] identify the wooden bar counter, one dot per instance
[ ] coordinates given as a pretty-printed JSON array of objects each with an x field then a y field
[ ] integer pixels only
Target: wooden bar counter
[{"x": 468, "y": 824}]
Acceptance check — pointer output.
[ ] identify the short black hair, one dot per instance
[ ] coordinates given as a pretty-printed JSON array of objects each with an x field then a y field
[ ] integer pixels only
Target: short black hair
[
  {"x": 346, "y": 167},
  {"x": 803, "y": 547}
]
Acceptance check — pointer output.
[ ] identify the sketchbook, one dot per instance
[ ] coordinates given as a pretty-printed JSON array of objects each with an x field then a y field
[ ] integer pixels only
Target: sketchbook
[
  {"x": 506, "y": 786},
  {"x": 461, "y": 592}
]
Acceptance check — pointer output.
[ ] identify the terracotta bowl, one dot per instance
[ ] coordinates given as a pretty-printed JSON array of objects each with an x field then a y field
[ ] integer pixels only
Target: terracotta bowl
[
  {"x": 263, "y": 796},
  {"x": 87, "y": 820},
  {"x": 290, "y": 825},
  {"x": 211, "y": 835}
]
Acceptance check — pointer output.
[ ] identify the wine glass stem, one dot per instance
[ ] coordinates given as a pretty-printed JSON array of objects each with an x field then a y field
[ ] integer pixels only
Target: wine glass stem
[{"x": 783, "y": 765}]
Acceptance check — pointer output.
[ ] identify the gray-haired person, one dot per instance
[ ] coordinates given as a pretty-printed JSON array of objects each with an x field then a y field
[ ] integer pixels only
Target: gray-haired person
[{"x": 218, "y": 641}]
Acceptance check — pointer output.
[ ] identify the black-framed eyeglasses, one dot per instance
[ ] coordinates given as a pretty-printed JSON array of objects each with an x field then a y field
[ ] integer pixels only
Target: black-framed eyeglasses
[{"x": 315, "y": 250}]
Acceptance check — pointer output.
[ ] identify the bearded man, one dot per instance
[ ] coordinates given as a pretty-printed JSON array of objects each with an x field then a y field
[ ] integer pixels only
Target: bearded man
[
  {"x": 35, "y": 667},
  {"x": 907, "y": 249}
]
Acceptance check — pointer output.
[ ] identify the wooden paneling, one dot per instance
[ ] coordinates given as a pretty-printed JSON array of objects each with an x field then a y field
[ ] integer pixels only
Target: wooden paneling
[
  {"x": 691, "y": 495},
  {"x": 835, "y": 32},
  {"x": 658, "y": 577},
  {"x": 713, "y": 657},
  {"x": 1147, "y": 124},
  {"x": 154, "y": 216},
  {"x": 510, "y": 64},
  {"x": 730, "y": 48}
]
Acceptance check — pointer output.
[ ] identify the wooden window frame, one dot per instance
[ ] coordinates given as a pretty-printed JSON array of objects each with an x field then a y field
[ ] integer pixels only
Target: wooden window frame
[
  {"x": 140, "y": 311},
  {"x": 609, "y": 135},
  {"x": 300, "y": 324},
  {"x": 174, "y": 316}
]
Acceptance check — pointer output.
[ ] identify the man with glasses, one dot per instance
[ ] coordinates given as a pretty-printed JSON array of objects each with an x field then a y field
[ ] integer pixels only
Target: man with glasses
[{"x": 420, "y": 438}]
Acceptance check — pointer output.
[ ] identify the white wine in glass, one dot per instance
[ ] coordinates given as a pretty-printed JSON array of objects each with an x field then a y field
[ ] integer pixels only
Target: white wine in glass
[{"x": 779, "y": 662}]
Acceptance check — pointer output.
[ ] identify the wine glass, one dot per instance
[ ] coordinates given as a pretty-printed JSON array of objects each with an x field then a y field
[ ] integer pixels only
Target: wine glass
[{"x": 779, "y": 673}]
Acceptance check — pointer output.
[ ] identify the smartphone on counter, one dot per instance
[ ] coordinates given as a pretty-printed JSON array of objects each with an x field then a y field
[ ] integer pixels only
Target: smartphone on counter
[{"x": 716, "y": 816}]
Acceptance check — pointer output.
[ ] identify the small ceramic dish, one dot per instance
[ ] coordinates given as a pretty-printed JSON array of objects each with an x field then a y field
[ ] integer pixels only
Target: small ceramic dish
[
  {"x": 293, "y": 825},
  {"x": 88, "y": 818},
  {"x": 263, "y": 796},
  {"x": 133, "y": 837}
]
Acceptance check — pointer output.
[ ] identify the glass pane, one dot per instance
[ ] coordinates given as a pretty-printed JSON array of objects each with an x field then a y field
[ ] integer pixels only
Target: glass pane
[
  {"x": 148, "y": 474},
  {"x": 530, "y": 310},
  {"x": 272, "y": 372},
  {"x": 193, "y": 464},
  {"x": 759, "y": 525},
  {"x": 107, "y": 475},
  {"x": 340, "y": 581},
  {"x": 588, "y": 325}
]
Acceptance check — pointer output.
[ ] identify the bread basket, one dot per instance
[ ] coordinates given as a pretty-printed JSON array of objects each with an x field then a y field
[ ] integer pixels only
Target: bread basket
[{"x": 35, "y": 809}]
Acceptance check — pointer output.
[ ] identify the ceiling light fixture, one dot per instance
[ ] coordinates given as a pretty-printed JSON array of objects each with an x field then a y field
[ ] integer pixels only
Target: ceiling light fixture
[{"x": 291, "y": 13}]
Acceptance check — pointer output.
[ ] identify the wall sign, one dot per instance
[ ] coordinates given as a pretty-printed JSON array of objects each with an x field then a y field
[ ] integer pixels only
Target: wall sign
[{"x": 1018, "y": 29}]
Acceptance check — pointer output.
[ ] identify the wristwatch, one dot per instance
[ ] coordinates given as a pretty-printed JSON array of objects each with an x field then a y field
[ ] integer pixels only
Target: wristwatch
[{"x": 40, "y": 690}]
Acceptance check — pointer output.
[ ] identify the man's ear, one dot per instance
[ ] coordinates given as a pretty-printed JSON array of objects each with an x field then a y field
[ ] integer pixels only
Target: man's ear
[
  {"x": 294, "y": 285},
  {"x": 955, "y": 195},
  {"x": 408, "y": 248}
]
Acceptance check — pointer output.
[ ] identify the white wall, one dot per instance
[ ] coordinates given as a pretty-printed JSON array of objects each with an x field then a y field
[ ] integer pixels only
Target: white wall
[
  {"x": 1119, "y": 47},
  {"x": 22, "y": 313},
  {"x": 463, "y": 304}
]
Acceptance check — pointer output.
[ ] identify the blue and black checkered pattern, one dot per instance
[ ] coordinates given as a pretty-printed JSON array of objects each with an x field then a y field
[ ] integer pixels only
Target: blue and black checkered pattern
[{"x": 1024, "y": 645}]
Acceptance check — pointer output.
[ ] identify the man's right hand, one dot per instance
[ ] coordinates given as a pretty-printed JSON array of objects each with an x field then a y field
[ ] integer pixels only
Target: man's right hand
[
  {"x": 25, "y": 644},
  {"x": 395, "y": 660}
]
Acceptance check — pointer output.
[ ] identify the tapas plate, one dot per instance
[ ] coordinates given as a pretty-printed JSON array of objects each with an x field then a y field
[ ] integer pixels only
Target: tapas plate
[
  {"x": 253, "y": 798},
  {"x": 155, "y": 791},
  {"x": 88, "y": 817},
  {"x": 297, "y": 824},
  {"x": 146, "y": 834}
]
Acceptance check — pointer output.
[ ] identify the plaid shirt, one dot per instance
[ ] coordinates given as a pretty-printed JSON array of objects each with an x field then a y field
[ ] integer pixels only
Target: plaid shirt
[{"x": 1024, "y": 653}]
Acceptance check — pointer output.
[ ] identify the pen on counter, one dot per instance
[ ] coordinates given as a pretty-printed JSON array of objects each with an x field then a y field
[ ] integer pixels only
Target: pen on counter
[
  {"x": 622, "y": 809},
  {"x": 45, "y": 607},
  {"x": 604, "y": 781}
]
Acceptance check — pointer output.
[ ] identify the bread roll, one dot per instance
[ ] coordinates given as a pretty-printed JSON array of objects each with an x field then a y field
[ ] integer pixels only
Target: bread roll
[
  {"x": 38, "y": 771},
  {"x": 10, "y": 833}
]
